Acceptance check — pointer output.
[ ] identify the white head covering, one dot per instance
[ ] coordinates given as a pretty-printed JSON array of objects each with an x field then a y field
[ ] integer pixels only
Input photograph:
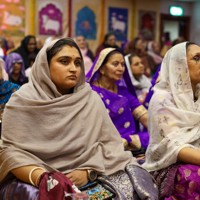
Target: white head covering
[
  {"x": 59, "y": 132},
  {"x": 174, "y": 117},
  {"x": 141, "y": 85}
]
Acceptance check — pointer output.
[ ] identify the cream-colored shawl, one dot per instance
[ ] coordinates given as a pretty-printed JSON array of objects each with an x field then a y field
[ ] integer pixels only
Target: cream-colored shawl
[
  {"x": 62, "y": 132},
  {"x": 174, "y": 117}
]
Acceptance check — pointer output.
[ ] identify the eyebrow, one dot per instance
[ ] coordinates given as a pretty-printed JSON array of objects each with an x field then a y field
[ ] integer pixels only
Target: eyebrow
[
  {"x": 194, "y": 53},
  {"x": 68, "y": 57}
]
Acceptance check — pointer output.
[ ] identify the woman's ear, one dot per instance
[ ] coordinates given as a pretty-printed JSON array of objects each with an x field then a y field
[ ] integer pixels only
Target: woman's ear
[{"x": 101, "y": 71}]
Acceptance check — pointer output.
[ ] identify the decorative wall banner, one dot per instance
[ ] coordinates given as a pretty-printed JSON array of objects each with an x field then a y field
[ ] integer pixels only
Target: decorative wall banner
[
  {"x": 147, "y": 23},
  {"x": 87, "y": 19},
  {"x": 86, "y": 23},
  {"x": 50, "y": 19},
  {"x": 118, "y": 22},
  {"x": 12, "y": 18}
]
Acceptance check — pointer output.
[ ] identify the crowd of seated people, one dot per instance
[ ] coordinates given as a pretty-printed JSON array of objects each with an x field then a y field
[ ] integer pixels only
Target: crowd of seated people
[{"x": 150, "y": 100}]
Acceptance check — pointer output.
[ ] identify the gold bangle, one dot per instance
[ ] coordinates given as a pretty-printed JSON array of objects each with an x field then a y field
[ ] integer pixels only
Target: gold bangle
[
  {"x": 31, "y": 172},
  {"x": 38, "y": 179},
  {"x": 139, "y": 112}
]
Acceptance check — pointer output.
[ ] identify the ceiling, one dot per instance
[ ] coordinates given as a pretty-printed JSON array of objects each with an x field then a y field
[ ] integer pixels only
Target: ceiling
[{"x": 188, "y": 0}]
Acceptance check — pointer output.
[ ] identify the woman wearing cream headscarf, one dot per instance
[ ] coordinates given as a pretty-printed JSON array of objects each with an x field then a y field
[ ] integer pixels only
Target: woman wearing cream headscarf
[
  {"x": 65, "y": 128},
  {"x": 109, "y": 77},
  {"x": 173, "y": 155}
]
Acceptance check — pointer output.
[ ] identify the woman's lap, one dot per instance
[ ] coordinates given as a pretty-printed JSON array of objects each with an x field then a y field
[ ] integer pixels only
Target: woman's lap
[
  {"x": 181, "y": 181},
  {"x": 187, "y": 183},
  {"x": 134, "y": 184},
  {"x": 14, "y": 189}
]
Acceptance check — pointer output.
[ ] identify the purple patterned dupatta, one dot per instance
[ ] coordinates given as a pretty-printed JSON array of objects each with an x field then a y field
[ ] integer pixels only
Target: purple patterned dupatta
[
  {"x": 119, "y": 105},
  {"x": 178, "y": 181}
]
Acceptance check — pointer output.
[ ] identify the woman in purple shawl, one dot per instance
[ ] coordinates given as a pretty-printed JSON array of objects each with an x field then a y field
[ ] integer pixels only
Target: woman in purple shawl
[
  {"x": 14, "y": 66},
  {"x": 109, "y": 77}
]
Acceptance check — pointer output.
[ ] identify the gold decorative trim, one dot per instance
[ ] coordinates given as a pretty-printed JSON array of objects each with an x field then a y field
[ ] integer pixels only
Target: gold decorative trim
[{"x": 125, "y": 143}]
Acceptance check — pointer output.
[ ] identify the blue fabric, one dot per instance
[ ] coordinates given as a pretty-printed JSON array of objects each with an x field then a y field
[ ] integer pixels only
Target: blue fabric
[{"x": 6, "y": 90}]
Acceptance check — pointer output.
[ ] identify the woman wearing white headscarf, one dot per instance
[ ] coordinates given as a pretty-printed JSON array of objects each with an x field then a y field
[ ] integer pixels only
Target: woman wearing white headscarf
[
  {"x": 57, "y": 123},
  {"x": 139, "y": 80},
  {"x": 173, "y": 155}
]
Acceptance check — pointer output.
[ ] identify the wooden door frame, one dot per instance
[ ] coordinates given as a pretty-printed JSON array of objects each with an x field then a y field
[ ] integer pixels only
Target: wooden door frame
[{"x": 174, "y": 18}]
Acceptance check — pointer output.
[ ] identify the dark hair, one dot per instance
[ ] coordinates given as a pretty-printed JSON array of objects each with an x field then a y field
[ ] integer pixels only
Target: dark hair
[
  {"x": 132, "y": 56},
  {"x": 131, "y": 46},
  {"x": 59, "y": 45},
  {"x": 177, "y": 41},
  {"x": 110, "y": 54},
  {"x": 188, "y": 44},
  {"x": 107, "y": 36},
  {"x": 32, "y": 57}
]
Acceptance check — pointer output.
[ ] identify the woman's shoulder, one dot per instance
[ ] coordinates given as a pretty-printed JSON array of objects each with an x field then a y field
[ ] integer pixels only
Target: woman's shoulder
[{"x": 161, "y": 100}]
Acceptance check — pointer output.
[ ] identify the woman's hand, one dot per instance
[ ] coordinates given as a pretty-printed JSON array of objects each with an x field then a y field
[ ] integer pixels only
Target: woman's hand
[{"x": 78, "y": 177}]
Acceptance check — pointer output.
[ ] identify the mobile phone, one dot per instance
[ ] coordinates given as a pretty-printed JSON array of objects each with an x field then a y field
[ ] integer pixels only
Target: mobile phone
[{"x": 88, "y": 185}]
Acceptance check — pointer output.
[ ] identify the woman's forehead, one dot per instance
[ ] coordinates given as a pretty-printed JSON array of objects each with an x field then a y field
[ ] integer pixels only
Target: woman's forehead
[
  {"x": 115, "y": 56},
  {"x": 193, "y": 50},
  {"x": 69, "y": 51}
]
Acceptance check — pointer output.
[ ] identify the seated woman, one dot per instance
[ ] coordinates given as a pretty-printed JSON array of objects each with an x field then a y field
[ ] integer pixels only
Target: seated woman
[
  {"x": 138, "y": 46},
  {"x": 140, "y": 82},
  {"x": 14, "y": 66},
  {"x": 87, "y": 54},
  {"x": 28, "y": 46},
  {"x": 65, "y": 129},
  {"x": 109, "y": 41},
  {"x": 153, "y": 49},
  {"x": 6, "y": 90},
  {"x": 173, "y": 155},
  {"x": 107, "y": 78},
  {"x": 155, "y": 79}
]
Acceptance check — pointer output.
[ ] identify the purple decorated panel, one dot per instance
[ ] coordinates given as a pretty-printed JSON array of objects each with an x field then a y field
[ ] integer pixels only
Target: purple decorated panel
[{"x": 50, "y": 20}]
